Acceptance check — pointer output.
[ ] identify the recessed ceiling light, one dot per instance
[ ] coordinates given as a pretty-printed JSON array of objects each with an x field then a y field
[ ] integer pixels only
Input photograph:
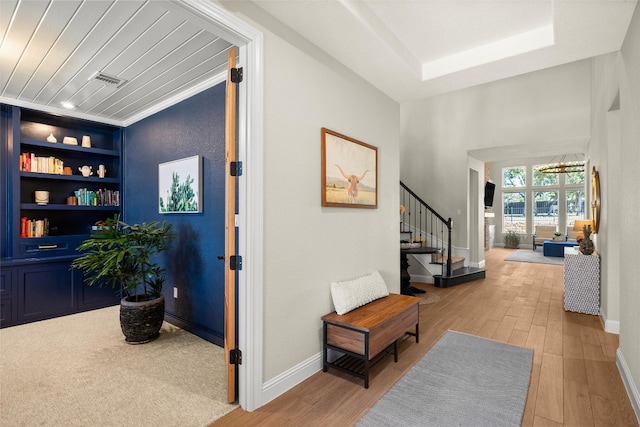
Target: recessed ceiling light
[{"x": 67, "y": 105}]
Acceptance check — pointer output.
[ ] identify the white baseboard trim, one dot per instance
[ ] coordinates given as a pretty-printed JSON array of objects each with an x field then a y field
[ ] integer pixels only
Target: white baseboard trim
[
  {"x": 290, "y": 378},
  {"x": 610, "y": 326},
  {"x": 480, "y": 264},
  {"x": 629, "y": 384}
]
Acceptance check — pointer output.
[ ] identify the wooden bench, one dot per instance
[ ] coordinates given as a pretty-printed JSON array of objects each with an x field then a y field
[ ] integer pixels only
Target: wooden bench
[{"x": 363, "y": 335}]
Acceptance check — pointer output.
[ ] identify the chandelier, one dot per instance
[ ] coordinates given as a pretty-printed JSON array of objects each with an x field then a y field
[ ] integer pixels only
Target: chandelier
[{"x": 562, "y": 166}]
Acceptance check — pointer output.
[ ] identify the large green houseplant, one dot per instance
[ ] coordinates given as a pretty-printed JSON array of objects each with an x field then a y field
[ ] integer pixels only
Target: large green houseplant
[{"x": 123, "y": 256}]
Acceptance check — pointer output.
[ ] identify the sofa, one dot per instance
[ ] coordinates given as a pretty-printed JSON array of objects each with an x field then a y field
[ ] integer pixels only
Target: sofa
[{"x": 542, "y": 233}]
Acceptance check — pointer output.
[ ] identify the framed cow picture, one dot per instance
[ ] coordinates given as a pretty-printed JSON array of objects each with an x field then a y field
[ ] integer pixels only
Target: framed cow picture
[{"x": 349, "y": 172}]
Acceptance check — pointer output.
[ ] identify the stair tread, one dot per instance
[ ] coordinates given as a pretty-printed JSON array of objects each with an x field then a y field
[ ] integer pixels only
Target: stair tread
[
  {"x": 422, "y": 250},
  {"x": 442, "y": 259},
  {"x": 462, "y": 275},
  {"x": 464, "y": 271}
]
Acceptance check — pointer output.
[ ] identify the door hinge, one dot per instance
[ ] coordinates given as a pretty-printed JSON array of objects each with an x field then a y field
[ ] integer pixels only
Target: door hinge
[
  {"x": 235, "y": 357},
  {"x": 236, "y": 75},
  {"x": 236, "y": 168},
  {"x": 235, "y": 262}
]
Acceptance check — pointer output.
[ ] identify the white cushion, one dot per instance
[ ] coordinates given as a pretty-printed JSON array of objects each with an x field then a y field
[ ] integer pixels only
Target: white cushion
[{"x": 351, "y": 294}]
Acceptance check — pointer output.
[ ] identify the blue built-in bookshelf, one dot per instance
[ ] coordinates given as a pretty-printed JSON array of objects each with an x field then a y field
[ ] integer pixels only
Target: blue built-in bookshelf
[{"x": 41, "y": 237}]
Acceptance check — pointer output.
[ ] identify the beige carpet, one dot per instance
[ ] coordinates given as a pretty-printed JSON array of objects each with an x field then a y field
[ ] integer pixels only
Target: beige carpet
[{"x": 78, "y": 371}]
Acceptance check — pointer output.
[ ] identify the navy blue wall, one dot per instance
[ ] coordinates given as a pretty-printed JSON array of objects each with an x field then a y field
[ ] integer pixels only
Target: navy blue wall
[{"x": 195, "y": 126}]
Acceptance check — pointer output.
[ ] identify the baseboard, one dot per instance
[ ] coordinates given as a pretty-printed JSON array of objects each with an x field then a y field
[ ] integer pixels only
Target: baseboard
[
  {"x": 480, "y": 264},
  {"x": 421, "y": 278},
  {"x": 629, "y": 384},
  {"x": 290, "y": 378},
  {"x": 189, "y": 327},
  {"x": 610, "y": 326}
]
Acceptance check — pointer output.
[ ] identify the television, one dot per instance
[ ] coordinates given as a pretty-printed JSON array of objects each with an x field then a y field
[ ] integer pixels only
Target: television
[{"x": 489, "y": 190}]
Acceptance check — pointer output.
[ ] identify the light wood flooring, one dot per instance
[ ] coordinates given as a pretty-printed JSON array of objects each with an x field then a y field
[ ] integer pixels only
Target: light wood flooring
[{"x": 574, "y": 380}]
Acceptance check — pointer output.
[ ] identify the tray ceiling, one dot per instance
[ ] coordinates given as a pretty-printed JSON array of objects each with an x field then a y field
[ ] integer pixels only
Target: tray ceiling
[
  {"x": 412, "y": 49},
  {"x": 50, "y": 51}
]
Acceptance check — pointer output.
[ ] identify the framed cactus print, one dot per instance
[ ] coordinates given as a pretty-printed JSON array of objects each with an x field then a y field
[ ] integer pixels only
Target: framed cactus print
[{"x": 180, "y": 186}]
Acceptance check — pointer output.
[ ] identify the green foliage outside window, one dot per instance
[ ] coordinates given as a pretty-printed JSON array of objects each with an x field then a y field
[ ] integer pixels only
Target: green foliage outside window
[
  {"x": 542, "y": 179},
  {"x": 514, "y": 177},
  {"x": 574, "y": 178}
]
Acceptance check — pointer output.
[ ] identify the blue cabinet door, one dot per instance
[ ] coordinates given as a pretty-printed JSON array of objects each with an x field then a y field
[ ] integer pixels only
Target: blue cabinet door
[
  {"x": 7, "y": 298},
  {"x": 46, "y": 290},
  {"x": 92, "y": 297}
]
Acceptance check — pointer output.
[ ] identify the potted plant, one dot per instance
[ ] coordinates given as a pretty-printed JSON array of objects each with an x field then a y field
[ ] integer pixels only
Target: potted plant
[
  {"x": 123, "y": 255},
  {"x": 511, "y": 239},
  {"x": 557, "y": 236}
]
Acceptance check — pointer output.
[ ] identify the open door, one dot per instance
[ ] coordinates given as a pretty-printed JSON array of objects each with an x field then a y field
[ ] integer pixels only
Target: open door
[{"x": 231, "y": 261}]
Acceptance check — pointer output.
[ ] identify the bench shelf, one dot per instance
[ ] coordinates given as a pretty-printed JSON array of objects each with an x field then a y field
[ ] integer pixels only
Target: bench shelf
[{"x": 368, "y": 333}]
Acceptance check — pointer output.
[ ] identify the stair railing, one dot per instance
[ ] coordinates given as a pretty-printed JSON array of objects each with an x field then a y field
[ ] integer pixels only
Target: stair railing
[{"x": 426, "y": 225}]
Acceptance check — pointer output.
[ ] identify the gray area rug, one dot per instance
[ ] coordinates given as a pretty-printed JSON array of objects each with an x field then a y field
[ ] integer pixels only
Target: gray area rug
[
  {"x": 463, "y": 380},
  {"x": 528, "y": 255}
]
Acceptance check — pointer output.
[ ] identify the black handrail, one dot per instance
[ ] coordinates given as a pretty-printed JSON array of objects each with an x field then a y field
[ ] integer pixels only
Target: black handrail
[{"x": 423, "y": 220}]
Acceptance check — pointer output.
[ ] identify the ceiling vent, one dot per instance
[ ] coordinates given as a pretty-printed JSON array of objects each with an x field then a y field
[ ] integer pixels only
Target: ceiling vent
[{"x": 109, "y": 81}]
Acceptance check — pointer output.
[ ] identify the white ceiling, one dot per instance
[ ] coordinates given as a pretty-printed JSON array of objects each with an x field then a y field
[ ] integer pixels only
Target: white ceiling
[
  {"x": 409, "y": 49},
  {"x": 412, "y": 49},
  {"x": 49, "y": 51}
]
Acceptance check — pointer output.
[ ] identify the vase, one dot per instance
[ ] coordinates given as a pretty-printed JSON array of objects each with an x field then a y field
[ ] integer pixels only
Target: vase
[{"x": 141, "y": 321}]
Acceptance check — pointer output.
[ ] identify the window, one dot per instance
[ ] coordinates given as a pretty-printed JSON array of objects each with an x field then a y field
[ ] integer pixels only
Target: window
[
  {"x": 543, "y": 179},
  {"x": 514, "y": 177},
  {"x": 545, "y": 208},
  {"x": 575, "y": 206},
  {"x": 575, "y": 178},
  {"x": 531, "y": 198},
  {"x": 514, "y": 212}
]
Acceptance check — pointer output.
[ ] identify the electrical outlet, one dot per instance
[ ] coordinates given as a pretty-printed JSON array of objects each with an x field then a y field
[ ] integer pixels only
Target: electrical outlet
[{"x": 175, "y": 292}]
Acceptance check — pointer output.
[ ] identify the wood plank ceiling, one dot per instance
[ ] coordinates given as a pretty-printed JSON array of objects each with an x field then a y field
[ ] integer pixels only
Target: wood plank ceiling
[{"x": 52, "y": 51}]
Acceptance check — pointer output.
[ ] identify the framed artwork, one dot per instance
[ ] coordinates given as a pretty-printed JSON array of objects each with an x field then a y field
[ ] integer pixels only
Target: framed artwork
[
  {"x": 180, "y": 186},
  {"x": 349, "y": 172}
]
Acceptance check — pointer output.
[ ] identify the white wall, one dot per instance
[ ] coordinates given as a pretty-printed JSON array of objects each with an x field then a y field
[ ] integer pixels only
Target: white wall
[
  {"x": 307, "y": 246},
  {"x": 541, "y": 110},
  {"x": 630, "y": 149},
  {"x": 604, "y": 155},
  {"x": 615, "y": 150}
]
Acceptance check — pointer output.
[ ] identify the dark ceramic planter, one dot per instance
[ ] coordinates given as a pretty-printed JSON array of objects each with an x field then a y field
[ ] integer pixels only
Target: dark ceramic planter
[{"x": 141, "y": 321}]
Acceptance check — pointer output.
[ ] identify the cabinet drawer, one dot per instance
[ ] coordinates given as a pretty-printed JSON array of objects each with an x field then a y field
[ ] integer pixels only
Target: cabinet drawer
[{"x": 48, "y": 247}]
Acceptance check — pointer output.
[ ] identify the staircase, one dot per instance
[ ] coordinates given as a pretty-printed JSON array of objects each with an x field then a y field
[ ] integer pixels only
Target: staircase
[{"x": 421, "y": 224}]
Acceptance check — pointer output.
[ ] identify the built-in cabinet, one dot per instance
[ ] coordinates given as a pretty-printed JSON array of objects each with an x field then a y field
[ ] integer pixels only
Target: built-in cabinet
[{"x": 44, "y": 153}]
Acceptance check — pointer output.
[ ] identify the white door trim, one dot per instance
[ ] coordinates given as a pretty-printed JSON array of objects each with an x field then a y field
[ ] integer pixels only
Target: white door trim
[{"x": 250, "y": 200}]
